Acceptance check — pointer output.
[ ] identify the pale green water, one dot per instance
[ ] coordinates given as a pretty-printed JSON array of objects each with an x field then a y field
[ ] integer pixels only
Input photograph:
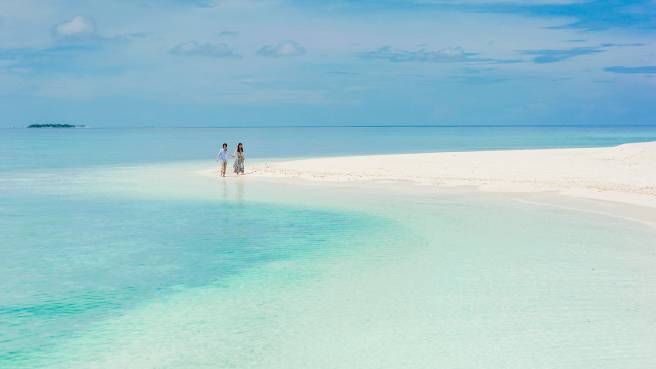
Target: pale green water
[{"x": 157, "y": 267}]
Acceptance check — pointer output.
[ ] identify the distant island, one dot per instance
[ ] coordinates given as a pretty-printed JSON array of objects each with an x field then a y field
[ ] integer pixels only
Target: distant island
[{"x": 55, "y": 126}]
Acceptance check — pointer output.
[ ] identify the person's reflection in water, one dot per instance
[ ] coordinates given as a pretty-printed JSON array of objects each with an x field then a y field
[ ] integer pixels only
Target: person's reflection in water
[
  {"x": 225, "y": 191},
  {"x": 239, "y": 195}
]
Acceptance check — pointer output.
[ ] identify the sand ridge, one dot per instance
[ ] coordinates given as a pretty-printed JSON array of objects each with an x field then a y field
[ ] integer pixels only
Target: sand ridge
[{"x": 625, "y": 173}]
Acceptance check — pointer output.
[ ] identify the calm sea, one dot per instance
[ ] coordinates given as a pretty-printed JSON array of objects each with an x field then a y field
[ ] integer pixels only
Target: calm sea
[
  {"x": 114, "y": 255},
  {"x": 69, "y": 148}
]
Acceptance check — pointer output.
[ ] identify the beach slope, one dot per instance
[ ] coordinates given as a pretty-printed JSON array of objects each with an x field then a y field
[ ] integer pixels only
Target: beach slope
[{"x": 625, "y": 173}]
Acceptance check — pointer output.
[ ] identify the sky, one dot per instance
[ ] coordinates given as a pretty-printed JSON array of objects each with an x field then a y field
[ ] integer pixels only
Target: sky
[{"x": 193, "y": 63}]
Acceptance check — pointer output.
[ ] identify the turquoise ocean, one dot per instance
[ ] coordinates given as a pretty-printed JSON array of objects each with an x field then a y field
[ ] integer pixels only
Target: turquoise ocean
[{"x": 115, "y": 253}]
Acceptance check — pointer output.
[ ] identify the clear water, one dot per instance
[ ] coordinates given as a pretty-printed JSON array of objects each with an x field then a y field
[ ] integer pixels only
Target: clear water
[
  {"x": 69, "y": 148},
  {"x": 113, "y": 257},
  {"x": 69, "y": 261}
]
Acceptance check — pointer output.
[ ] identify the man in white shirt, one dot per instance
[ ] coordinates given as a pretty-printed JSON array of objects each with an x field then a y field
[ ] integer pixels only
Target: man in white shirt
[{"x": 222, "y": 158}]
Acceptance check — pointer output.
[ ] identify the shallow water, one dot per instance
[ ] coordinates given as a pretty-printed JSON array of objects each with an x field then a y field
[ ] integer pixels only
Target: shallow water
[
  {"x": 146, "y": 266},
  {"x": 97, "y": 257}
]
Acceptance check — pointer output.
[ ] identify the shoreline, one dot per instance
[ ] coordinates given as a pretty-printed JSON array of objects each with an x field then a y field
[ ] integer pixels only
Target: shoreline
[
  {"x": 621, "y": 174},
  {"x": 425, "y": 259}
]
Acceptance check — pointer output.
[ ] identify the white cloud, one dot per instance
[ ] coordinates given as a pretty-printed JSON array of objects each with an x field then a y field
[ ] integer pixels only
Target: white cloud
[
  {"x": 216, "y": 50},
  {"x": 447, "y": 55},
  {"x": 283, "y": 49},
  {"x": 78, "y": 28}
]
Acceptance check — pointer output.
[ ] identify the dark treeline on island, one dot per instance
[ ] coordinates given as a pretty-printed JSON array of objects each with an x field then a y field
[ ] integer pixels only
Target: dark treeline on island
[{"x": 57, "y": 125}]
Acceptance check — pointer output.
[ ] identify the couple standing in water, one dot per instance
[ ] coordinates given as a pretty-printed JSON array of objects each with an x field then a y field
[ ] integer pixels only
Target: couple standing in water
[{"x": 223, "y": 156}]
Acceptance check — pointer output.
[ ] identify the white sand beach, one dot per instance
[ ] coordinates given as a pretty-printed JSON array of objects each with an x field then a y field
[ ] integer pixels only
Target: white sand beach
[{"x": 625, "y": 173}]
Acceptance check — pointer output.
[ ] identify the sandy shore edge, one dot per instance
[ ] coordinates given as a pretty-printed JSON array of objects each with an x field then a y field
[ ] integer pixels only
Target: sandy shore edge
[{"x": 624, "y": 173}]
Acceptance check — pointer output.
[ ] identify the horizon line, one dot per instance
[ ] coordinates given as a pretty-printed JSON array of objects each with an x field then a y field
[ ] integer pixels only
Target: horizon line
[{"x": 371, "y": 126}]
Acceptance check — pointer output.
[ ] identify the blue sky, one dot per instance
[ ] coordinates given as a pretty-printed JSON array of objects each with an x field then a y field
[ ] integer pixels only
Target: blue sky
[{"x": 293, "y": 62}]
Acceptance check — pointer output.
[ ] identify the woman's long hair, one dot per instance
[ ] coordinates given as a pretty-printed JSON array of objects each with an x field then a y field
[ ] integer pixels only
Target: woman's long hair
[{"x": 240, "y": 147}]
